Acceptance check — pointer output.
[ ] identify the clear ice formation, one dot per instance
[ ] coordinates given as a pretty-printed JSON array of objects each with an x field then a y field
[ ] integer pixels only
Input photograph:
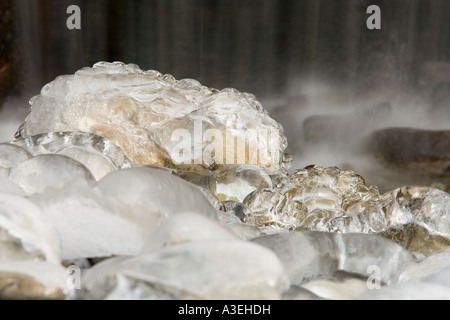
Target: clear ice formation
[
  {"x": 154, "y": 195},
  {"x": 42, "y": 172},
  {"x": 96, "y": 153},
  {"x": 195, "y": 270},
  {"x": 88, "y": 225},
  {"x": 309, "y": 254},
  {"x": 146, "y": 113},
  {"x": 320, "y": 199}
]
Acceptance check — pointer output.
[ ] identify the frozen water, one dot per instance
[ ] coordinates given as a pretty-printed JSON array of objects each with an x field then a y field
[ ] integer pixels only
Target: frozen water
[
  {"x": 435, "y": 268},
  {"x": 309, "y": 254},
  {"x": 97, "y": 153},
  {"x": 186, "y": 227},
  {"x": 154, "y": 192},
  {"x": 39, "y": 173},
  {"x": 338, "y": 286},
  {"x": 24, "y": 233},
  {"x": 236, "y": 182},
  {"x": 32, "y": 280},
  {"x": 139, "y": 111},
  {"x": 11, "y": 155},
  {"x": 425, "y": 205},
  {"x": 7, "y": 186},
  {"x": 409, "y": 291},
  {"x": 320, "y": 199},
  {"x": 418, "y": 218},
  {"x": 88, "y": 224},
  {"x": 195, "y": 270}
]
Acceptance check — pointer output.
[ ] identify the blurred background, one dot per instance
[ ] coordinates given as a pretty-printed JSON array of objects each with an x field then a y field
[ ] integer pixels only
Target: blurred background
[{"x": 375, "y": 101}]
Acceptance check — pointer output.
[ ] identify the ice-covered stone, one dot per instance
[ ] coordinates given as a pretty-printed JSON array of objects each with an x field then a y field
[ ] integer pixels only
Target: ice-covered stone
[
  {"x": 89, "y": 225},
  {"x": 243, "y": 230},
  {"x": 39, "y": 173},
  {"x": 320, "y": 199},
  {"x": 186, "y": 227},
  {"x": 155, "y": 193},
  {"x": 7, "y": 186},
  {"x": 340, "y": 285},
  {"x": 409, "y": 291},
  {"x": 24, "y": 233},
  {"x": 32, "y": 280},
  {"x": 146, "y": 114},
  {"x": 195, "y": 270},
  {"x": 416, "y": 238},
  {"x": 418, "y": 218},
  {"x": 97, "y": 153},
  {"x": 435, "y": 268},
  {"x": 298, "y": 293},
  {"x": 11, "y": 155},
  {"x": 309, "y": 254},
  {"x": 234, "y": 183}
]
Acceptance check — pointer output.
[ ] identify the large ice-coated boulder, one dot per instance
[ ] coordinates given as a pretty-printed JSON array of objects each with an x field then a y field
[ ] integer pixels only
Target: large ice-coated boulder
[{"x": 156, "y": 119}]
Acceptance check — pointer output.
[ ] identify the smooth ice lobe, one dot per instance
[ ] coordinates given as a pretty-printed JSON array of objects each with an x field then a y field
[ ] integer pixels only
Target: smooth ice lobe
[
  {"x": 153, "y": 195},
  {"x": 39, "y": 173}
]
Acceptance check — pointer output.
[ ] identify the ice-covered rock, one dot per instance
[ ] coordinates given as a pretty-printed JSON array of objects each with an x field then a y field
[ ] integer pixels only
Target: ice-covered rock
[
  {"x": 24, "y": 232},
  {"x": 409, "y": 291},
  {"x": 340, "y": 285},
  {"x": 156, "y": 119},
  {"x": 320, "y": 199},
  {"x": 42, "y": 172},
  {"x": 418, "y": 218},
  {"x": 11, "y": 155},
  {"x": 435, "y": 268},
  {"x": 152, "y": 195},
  {"x": 32, "y": 280},
  {"x": 186, "y": 227},
  {"x": 96, "y": 153},
  {"x": 88, "y": 224},
  {"x": 194, "y": 270},
  {"x": 307, "y": 255}
]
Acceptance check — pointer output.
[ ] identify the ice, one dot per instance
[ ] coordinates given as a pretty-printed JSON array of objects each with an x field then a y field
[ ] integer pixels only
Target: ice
[
  {"x": 24, "y": 232},
  {"x": 7, "y": 186},
  {"x": 274, "y": 212},
  {"x": 97, "y": 153},
  {"x": 418, "y": 218},
  {"x": 39, "y": 173},
  {"x": 146, "y": 113},
  {"x": 409, "y": 291},
  {"x": 435, "y": 268},
  {"x": 88, "y": 224},
  {"x": 320, "y": 199},
  {"x": 186, "y": 227},
  {"x": 338, "y": 286},
  {"x": 426, "y": 205},
  {"x": 21, "y": 280},
  {"x": 11, "y": 155},
  {"x": 194, "y": 270},
  {"x": 307, "y": 255},
  {"x": 156, "y": 193},
  {"x": 234, "y": 183}
]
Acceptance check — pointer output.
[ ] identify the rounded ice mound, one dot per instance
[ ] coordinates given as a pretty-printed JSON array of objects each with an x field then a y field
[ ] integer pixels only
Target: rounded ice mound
[
  {"x": 96, "y": 153},
  {"x": 156, "y": 119}
]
